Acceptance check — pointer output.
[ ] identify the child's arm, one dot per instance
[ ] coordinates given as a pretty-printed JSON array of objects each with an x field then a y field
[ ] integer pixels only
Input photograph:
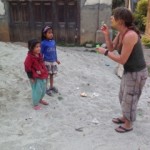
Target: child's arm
[
  {"x": 28, "y": 70},
  {"x": 58, "y": 62}
]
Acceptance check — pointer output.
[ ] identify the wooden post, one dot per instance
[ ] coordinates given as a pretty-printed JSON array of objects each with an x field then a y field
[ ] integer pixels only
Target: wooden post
[
  {"x": 147, "y": 31},
  {"x": 126, "y": 3}
]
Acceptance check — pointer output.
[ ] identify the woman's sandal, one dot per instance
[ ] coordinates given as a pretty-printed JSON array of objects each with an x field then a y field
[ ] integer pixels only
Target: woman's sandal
[
  {"x": 44, "y": 102},
  {"x": 122, "y": 129},
  {"x": 37, "y": 107},
  {"x": 117, "y": 121}
]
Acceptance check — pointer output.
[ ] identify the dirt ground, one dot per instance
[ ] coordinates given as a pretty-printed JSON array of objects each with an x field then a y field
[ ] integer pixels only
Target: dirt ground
[
  {"x": 70, "y": 122},
  {"x": 147, "y": 57}
]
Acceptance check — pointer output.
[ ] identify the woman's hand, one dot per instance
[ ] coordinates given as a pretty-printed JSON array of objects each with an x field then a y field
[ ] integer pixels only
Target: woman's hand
[
  {"x": 101, "y": 50},
  {"x": 104, "y": 28}
]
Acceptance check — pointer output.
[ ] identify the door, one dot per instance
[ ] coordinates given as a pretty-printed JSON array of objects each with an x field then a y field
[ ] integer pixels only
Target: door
[
  {"x": 67, "y": 21},
  {"x": 27, "y": 18},
  {"x": 19, "y": 23},
  {"x": 61, "y": 21},
  {"x": 37, "y": 23},
  {"x": 72, "y": 22}
]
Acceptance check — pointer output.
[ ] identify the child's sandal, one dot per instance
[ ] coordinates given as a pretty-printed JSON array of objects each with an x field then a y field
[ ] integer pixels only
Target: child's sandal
[
  {"x": 44, "y": 102},
  {"x": 37, "y": 107}
]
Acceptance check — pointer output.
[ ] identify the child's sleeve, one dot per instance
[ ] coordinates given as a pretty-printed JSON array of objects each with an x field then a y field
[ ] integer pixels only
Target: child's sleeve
[{"x": 28, "y": 65}]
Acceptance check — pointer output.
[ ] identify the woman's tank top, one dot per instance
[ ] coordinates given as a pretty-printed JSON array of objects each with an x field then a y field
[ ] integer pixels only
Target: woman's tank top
[{"x": 136, "y": 61}]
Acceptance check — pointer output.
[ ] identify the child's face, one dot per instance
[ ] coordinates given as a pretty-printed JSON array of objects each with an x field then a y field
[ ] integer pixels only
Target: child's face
[
  {"x": 49, "y": 34},
  {"x": 37, "y": 49}
]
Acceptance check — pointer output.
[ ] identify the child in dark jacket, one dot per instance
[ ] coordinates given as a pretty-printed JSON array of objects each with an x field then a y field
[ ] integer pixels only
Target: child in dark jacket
[{"x": 36, "y": 72}]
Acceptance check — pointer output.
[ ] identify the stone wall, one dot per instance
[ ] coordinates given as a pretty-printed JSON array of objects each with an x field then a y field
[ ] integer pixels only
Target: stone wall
[
  {"x": 4, "y": 28},
  {"x": 93, "y": 12}
]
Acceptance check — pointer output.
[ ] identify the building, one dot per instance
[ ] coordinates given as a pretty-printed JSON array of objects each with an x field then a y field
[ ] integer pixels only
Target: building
[{"x": 73, "y": 21}]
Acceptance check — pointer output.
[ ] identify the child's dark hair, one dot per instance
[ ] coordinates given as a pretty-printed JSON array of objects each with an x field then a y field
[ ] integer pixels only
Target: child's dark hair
[
  {"x": 44, "y": 30},
  {"x": 32, "y": 43},
  {"x": 126, "y": 15}
]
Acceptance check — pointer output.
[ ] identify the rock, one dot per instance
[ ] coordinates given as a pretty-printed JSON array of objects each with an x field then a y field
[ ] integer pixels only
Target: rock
[
  {"x": 60, "y": 98},
  {"x": 79, "y": 129},
  {"x": 83, "y": 94},
  {"x": 95, "y": 121}
]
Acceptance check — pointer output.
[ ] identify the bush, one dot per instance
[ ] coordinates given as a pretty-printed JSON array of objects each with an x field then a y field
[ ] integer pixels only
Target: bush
[
  {"x": 146, "y": 41},
  {"x": 141, "y": 14}
]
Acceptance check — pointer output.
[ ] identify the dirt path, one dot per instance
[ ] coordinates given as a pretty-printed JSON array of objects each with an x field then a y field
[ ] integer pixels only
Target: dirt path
[{"x": 70, "y": 122}]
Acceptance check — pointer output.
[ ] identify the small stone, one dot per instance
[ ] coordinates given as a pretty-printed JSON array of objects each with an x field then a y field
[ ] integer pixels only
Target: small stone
[
  {"x": 79, "y": 129},
  {"x": 83, "y": 94},
  {"x": 95, "y": 121},
  {"x": 20, "y": 133},
  {"x": 107, "y": 65},
  {"x": 60, "y": 98}
]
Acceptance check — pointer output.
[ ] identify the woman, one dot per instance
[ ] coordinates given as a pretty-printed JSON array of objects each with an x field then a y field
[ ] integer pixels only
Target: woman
[{"x": 129, "y": 47}]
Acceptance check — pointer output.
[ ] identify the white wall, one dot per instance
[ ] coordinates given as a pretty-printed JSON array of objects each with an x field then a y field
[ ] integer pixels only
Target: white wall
[
  {"x": 94, "y": 2},
  {"x": 2, "y": 10},
  {"x": 91, "y": 16}
]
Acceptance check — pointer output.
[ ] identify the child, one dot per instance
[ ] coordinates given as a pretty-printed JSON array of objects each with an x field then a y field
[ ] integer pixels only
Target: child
[
  {"x": 48, "y": 50},
  {"x": 37, "y": 73}
]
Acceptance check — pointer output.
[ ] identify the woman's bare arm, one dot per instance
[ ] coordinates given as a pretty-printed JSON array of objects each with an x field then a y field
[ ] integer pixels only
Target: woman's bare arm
[
  {"x": 126, "y": 48},
  {"x": 111, "y": 45}
]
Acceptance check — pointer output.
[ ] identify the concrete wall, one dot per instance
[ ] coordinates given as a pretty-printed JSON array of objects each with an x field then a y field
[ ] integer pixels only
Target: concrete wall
[
  {"x": 2, "y": 10},
  {"x": 93, "y": 12},
  {"x": 4, "y": 28}
]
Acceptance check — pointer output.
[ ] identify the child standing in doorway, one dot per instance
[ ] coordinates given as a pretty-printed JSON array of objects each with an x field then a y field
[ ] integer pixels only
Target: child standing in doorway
[
  {"x": 36, "y": 72},
  {"x": 48, "y": 50}
]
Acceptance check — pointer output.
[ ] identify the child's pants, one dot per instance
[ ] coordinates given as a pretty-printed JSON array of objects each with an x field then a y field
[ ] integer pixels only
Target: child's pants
[{"x": 38, "y": 90}]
